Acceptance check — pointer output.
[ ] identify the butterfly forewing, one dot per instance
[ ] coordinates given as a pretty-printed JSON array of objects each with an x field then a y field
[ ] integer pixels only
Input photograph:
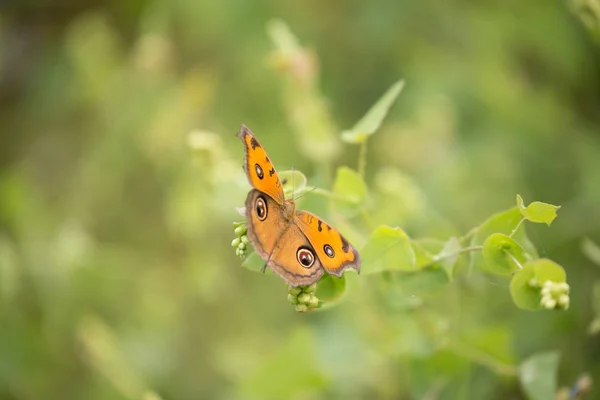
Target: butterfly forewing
[{"x": 259, "y": 169}]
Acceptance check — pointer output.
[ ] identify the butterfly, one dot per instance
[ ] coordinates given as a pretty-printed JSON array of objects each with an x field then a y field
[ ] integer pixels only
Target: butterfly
[{"x": 297, "y": 245}]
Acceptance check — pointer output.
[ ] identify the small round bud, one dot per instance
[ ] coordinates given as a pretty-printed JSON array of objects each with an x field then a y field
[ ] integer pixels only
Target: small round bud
[
  {"x": 294, "y": 291},
  {"x": 240, "y": 230},
  {"x": 242, "y": 246},
  {"x": 548, "y": 303},
  {"x": 292, "y": 299},
  {"x": 301, "y": 307},
  {"x": 303, "y": 298},
  {"x": 564, "y": 300},
  {"x": 310, "y": 289},
  {"x": 235, "y": 242},
  {"x": 313, "y": 302},
  {"x": 546, "y": 291},
  {"x": 245, "y": 239},
  {"x": 564, "y": 287},
  {"x": 533, "y": 282}
]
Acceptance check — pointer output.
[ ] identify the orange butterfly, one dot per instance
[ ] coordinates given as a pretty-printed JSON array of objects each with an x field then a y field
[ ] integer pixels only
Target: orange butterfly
[{"x": 297, "y": 245}]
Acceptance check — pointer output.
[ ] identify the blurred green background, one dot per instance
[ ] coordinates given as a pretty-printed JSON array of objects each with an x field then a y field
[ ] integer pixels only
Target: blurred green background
[{"x": 120, "y": 173}]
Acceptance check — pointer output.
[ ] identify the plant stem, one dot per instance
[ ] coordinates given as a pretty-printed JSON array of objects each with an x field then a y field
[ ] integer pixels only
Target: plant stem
[
  {"x": 516, "y": 228},
  {"x": 514, "y": 259},
  {"x": 459, "y": 252},
  {"x": 468, "y": 235}
]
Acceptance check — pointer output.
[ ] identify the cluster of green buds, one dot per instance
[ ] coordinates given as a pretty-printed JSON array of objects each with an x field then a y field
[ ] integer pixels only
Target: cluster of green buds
[
  {"x": 241, "y": 242},
  {"x": 303, "y": 297},
  {"x": 554, "y": 294}
]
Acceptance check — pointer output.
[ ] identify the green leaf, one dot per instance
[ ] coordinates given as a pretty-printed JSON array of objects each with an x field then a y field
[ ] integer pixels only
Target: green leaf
[
  {"x": 525, "y": 295},
  {"x": 372, "y": 120},
  {"x": 594, "y": 327},
  {"x": 349, "y": 186},
  {"x": 500, "y": 252},
  {"x": 449, "y": 255},
  {"x": 422, "y": 256},
  {"x": 537, "y": 211},
  {"x": 387, "y": 249},
  {"x": 503, "y": 222},
  {"x": 520, "y": 203},
  {"x": 538, "y": 375},
  {"x": 424, "y": 281},
  {"x": 292, "y": 182},
  {"x": 591, "y": 250},
  {"x": 330, "y": 290},
  {"x": 425, "y": 250}
]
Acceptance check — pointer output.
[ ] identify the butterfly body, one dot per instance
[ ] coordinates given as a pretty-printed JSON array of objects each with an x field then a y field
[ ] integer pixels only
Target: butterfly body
[{"x": 297, "y": 245}]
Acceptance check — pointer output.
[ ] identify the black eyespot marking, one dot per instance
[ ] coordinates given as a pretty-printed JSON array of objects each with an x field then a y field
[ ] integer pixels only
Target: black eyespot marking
[
  {"x": 261, "y": 208},
  {"x": 319, "y": 227},
  {"x": 305, "y": 257},
  {"x": 329, "y": 251},
  {"x": 272, "y": 171},
  {"x": 254, "y": 143},
  {"x": 345, "y": 244},
  {"x": 259, "y": 171}
]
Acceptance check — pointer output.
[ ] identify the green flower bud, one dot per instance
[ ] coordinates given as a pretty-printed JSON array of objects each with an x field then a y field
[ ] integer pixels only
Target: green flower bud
[
  {"x": 292, "y": 299},
  {"x": 546, "y": 290},
  {"x": 564, "y": 301},
  {"x": 533, "y": 282},
  {"x": 310, "y": 289},
  {"x": 564, "y": 287},
  {"x": 548, "y": 303},
  {"x": 313, "y": 302},
  {"x": 240, "y": 230},
  {"x": 304, "y": 298},
  {"x": 242, "y": 246},
  {"x": 294, "y": 291},
  {"x": 301, "y": 307},
  {"x": 245, "y": 239},
  {"x": 235, "y": 242}
]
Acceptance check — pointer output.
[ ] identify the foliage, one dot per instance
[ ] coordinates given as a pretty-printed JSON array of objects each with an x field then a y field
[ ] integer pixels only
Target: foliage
[{"x": 121, "y": 175}]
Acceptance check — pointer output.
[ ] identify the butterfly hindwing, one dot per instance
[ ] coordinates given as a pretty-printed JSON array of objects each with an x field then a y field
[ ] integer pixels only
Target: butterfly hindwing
[
  {"x": 280, "y": 242},
  {"x": 334, "y": 251}
]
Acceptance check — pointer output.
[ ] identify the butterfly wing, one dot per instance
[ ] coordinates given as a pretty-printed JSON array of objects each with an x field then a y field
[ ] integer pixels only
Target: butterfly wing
[
  {"x": 286, "y": 250},
  {"x": 295, "y": 260},
  {"x": 259, "y": 169},
  {"x": 334, "y": 251},
  {"x": 264, "y": 218}
]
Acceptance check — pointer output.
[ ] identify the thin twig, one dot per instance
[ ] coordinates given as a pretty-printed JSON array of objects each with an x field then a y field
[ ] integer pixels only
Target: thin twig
[
  {"x": 516, "y": 228},
  {"x": 456, "y": 253}
]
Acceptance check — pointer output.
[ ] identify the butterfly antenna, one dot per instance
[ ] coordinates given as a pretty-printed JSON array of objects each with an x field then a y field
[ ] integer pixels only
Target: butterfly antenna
[{"x": 305, "y": 193}]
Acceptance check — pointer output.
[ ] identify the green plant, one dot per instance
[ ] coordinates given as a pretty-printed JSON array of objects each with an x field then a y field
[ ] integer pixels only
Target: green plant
[{"x": 392, "y": 261}]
